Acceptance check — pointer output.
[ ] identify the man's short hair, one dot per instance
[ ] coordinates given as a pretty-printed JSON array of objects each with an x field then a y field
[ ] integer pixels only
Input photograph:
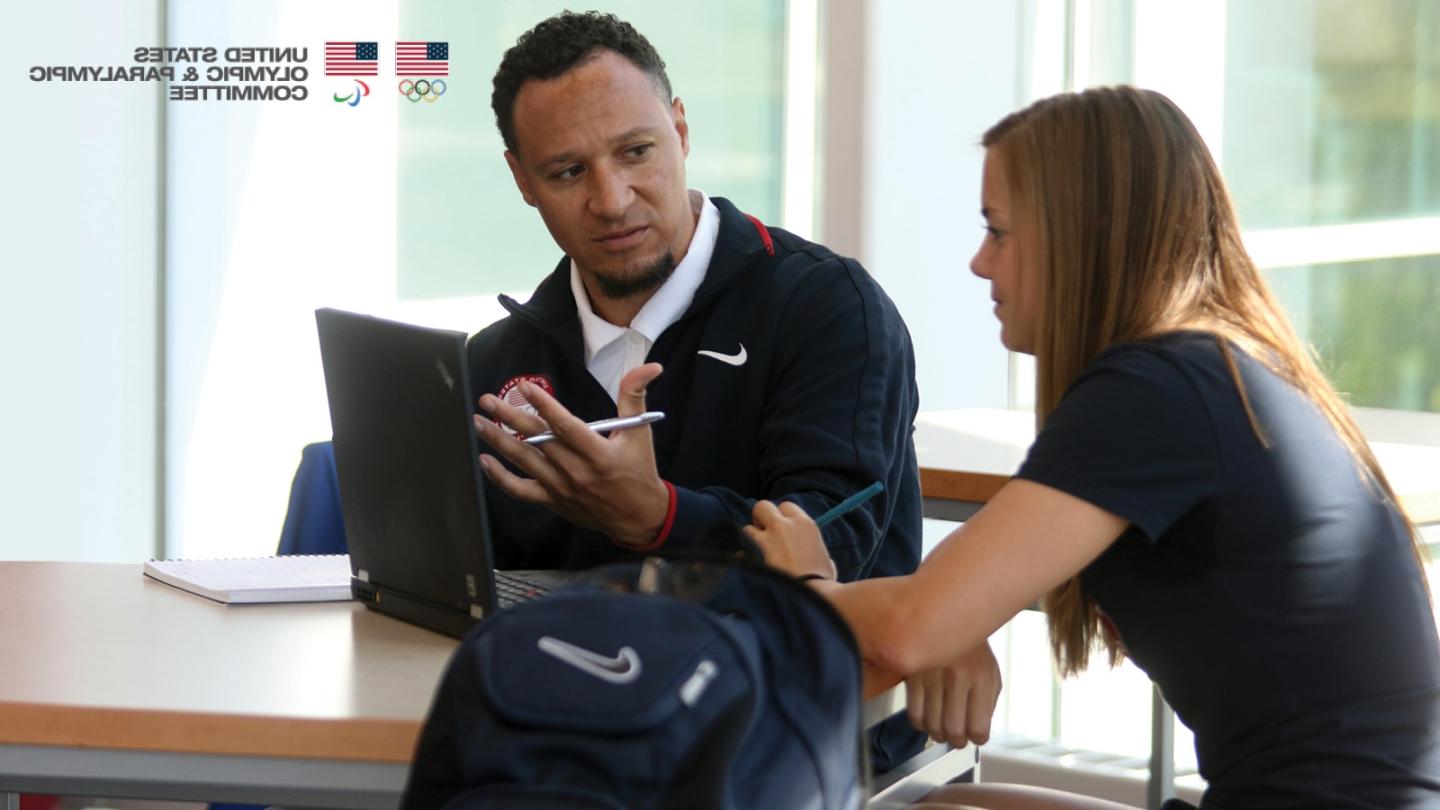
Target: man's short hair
[{"x": 560, "y": 43}]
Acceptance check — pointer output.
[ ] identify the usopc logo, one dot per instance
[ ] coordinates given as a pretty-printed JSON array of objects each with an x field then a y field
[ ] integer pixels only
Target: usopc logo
[
  {"x": 354, "y": 98},
  {"x": 428, "y": 89}
]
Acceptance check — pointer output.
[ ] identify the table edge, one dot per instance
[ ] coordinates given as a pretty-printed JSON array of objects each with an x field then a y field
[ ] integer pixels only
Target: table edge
[{"x": 347, "y": 739}]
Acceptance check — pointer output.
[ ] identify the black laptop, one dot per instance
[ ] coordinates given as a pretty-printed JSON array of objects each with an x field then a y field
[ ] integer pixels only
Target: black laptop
[{"x": 407, "y": 460}]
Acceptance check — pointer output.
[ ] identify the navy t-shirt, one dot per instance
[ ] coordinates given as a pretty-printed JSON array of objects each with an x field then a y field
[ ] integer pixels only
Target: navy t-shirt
[{"x": 1270, "y": 592}]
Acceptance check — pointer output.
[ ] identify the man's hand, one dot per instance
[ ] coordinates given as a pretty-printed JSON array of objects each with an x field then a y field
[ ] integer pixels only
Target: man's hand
[
  {"x": 609, "y": 484},
  {"x": 954, "y": 703},
  {"x": 790, "y": 540}
]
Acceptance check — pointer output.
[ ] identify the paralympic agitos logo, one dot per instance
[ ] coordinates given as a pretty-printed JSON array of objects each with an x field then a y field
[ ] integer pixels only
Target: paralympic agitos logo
[{"x": 353, "y": 99}]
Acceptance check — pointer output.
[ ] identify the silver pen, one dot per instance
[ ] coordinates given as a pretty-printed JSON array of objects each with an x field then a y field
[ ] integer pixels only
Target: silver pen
[{"x": 604, "y": 425}]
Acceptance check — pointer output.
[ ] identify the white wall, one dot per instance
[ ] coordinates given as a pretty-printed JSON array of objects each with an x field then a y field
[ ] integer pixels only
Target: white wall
[
  {"x": 273, "y": 206},
  {"x": 78, "y": 261},
  {"x": 912, "y": 87},
  {"x": 276, "y": 208}
]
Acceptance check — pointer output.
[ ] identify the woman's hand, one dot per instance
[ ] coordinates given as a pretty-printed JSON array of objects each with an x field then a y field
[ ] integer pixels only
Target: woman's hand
[
  {"x": 790, "y": 540},
  {"x": 954, "y": 703}
]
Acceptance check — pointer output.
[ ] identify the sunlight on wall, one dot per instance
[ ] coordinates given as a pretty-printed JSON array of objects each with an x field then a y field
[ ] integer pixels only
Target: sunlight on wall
[{"x": 312, "y": 193}]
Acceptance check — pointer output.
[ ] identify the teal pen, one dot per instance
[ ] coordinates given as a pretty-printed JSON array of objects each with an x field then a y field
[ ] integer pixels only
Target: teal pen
[{"x": 850, "y": 503}]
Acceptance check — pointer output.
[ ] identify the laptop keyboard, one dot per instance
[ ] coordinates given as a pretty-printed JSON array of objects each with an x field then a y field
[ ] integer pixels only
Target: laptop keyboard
[{"x": 511, "y": 589}]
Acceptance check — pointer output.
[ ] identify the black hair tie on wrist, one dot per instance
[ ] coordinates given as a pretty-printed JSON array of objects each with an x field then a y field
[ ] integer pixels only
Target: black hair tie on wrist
[{"x": 808, "y": 577}]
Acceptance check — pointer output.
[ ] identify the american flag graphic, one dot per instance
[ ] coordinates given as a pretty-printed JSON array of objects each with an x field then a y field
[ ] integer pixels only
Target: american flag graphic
[
  {"x": 422, "y": 59},
  {"x": 352, "y": 58}
]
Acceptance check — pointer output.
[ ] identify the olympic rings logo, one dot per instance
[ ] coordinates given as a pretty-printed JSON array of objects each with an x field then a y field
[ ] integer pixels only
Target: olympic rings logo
[{"x": 422, "y": 89}]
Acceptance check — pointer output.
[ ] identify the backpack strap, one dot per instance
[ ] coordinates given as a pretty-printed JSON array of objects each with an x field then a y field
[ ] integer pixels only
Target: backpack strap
[{"x": 764, "y": 234}]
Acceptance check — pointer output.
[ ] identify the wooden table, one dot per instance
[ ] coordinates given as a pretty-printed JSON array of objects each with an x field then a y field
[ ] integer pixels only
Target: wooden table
[
  {"x": 966, "y": 455},
  {"x": 115, "y": 685}
]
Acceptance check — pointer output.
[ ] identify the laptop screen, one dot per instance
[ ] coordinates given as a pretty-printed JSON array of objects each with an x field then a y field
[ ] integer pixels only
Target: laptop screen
[{"x": 406, "y": 457}]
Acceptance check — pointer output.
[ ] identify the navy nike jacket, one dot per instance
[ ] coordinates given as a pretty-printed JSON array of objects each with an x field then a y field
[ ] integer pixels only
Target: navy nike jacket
[{"x": 822, "y": 405}]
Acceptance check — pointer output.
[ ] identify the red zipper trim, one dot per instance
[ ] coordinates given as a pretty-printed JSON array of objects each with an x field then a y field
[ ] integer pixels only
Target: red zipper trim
[{"x": 764, "y": 234}]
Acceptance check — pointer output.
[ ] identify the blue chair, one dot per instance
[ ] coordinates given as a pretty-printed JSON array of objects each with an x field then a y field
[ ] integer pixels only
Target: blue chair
[{"x": 313, "y": 524}]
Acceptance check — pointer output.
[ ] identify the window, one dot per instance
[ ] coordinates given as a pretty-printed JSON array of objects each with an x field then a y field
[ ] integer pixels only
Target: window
[
  {"x": 1324, "y": 117},
  {"x": 1332, "y": 151}
]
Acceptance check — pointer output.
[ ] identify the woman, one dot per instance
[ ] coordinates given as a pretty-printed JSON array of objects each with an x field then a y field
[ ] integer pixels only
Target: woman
[{"x": 1197, "y": 497}]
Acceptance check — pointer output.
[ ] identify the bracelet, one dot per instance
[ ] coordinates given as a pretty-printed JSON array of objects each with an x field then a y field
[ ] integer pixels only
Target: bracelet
[
  {"x": 664, "y": 527},
  {"x": 809, "y": 577}
]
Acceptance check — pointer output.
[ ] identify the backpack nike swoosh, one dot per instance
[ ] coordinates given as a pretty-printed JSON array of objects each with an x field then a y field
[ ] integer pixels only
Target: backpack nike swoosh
[
  {"x": 621, "y": 669},
  {"x": 737, "y": 359}
]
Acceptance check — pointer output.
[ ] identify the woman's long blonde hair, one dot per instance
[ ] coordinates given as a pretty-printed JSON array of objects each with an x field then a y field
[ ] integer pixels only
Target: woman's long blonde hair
[{"x": 1135, "y": 236}]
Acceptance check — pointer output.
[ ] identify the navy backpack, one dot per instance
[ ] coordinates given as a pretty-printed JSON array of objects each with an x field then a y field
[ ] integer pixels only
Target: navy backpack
[{"x": 669, "y": 682}]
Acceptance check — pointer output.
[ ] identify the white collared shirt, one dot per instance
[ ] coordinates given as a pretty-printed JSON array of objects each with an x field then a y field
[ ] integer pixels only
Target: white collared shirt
[{"x": 612, "y": 350}]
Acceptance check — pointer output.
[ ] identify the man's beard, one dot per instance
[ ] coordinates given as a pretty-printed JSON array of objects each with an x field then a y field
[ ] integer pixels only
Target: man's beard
[{"x": 647, "y": 280}]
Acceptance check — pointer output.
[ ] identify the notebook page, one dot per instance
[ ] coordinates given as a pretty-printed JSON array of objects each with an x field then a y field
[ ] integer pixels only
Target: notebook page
[{"x": 297, "y": 578}]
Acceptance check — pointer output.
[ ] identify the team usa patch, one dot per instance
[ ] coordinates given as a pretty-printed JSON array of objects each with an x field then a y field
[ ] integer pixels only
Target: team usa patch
[{"x": 509, "y": 393}]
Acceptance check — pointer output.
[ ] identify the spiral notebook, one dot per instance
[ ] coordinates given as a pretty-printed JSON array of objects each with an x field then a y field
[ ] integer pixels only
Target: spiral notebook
[{"x": 295, "y": 578}]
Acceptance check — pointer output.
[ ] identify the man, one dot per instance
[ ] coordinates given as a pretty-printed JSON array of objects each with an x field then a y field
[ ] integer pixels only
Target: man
[{"x": 787, "y": 372}]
